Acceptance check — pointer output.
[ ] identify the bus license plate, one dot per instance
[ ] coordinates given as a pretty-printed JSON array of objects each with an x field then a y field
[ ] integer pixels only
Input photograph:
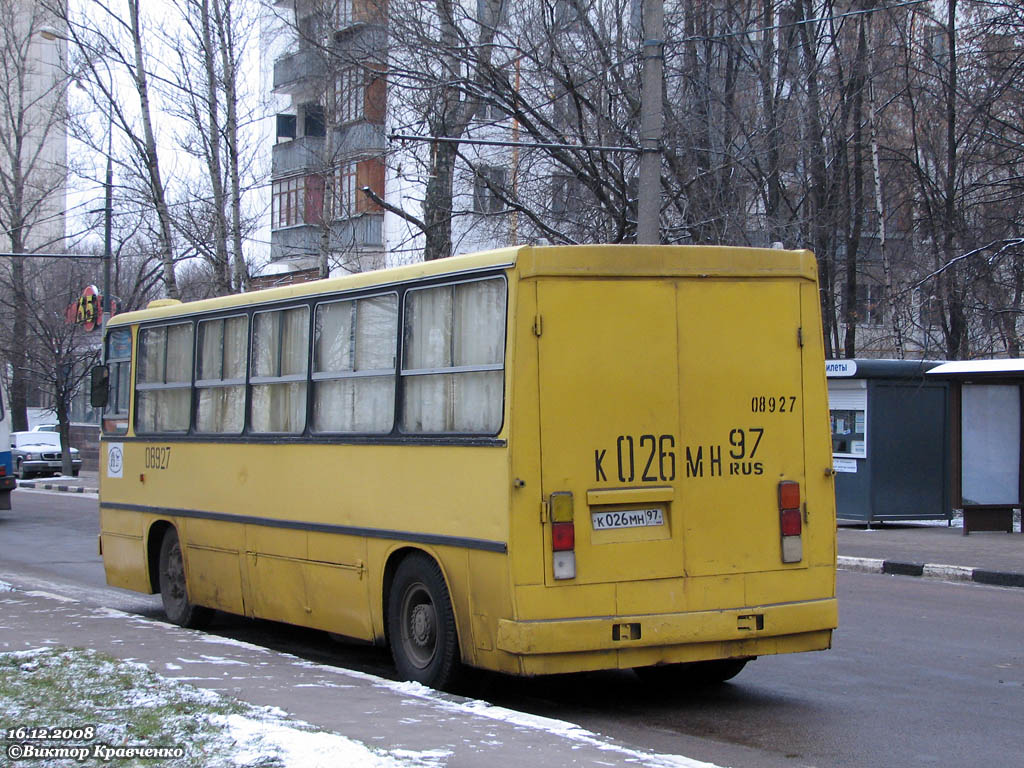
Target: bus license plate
[{"x": 626, "y": 518}]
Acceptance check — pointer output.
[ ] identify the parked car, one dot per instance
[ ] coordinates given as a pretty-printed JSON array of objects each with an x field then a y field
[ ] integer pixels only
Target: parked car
[
  {"x": 38, "y": 453},
  {"x": 46, "y": 428}
]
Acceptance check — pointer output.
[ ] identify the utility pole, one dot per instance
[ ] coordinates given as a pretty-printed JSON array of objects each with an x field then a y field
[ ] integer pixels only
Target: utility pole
[
  {"x": 108, "y": 212},
  {"x": 651, "y": 123}
]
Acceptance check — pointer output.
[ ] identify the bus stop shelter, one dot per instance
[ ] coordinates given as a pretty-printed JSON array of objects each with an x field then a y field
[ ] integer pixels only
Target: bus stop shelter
[
  {"x": 890, "y": 440},
  {"x": 987, "y": 431}
]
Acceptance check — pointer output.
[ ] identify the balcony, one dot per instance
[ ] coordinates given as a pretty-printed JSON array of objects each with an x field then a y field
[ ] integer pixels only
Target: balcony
[
  {"x": 295, "y": 73},
  {"x": 309, "y": 153},
  {"x": 361, "y": 233},
  {"x": 302, "y": 154}
]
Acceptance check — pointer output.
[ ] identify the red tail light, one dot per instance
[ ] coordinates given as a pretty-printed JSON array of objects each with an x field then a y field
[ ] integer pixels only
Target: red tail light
[
  {"x": 563, "y": 537},
  {"x": 791, "y": 525},
  {"x": 3, "y": 470}
]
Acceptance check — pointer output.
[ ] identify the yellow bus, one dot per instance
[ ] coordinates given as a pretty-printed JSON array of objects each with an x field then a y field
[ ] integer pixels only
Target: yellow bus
[{"x": 531, "y": 460}]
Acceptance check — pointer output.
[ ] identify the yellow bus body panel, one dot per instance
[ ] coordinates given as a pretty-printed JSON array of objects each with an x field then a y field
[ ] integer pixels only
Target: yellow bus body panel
[{"x": 684, "y": 380}]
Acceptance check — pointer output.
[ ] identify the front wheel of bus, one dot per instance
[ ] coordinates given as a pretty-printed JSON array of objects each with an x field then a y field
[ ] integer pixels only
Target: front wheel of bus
[
  {"x": 173, "y": 589},
  {"x": 421, "y": 623}
]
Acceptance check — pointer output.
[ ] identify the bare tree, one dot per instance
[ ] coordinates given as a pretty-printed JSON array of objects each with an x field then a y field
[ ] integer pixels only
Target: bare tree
[
  {"x": 32, "y": 169},
  {"x": 207, "y": 95},
  {"x": 106, "y": 43}
]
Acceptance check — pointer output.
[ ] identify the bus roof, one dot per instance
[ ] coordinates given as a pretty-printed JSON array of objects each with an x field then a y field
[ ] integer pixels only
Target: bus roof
[{"x": 530, "y": 261}]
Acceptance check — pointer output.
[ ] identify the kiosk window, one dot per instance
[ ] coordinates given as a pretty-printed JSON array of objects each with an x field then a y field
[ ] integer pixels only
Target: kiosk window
[{"x": 848, "y": 428}]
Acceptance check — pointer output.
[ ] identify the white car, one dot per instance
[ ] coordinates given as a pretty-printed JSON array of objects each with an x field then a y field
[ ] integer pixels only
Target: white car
[{"x": 37, "y": 453}]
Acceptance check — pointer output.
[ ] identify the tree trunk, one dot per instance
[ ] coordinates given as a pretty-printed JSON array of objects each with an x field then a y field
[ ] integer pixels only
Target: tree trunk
[
  {"x": 151, "y": 158},
  {"x": 215, "y": 166},
  {"x": 437, "y": 203},
  {"x": 819, "y": 176}
]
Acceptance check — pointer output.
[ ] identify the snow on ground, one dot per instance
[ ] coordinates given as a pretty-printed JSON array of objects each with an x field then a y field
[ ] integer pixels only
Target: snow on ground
[{"x": 136, "y": 707}]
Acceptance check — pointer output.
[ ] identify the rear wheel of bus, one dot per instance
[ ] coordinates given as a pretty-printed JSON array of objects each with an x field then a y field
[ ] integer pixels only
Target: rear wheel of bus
[
  {"x": 173, "y": 587},
  {"x": 421, "y": 623}
]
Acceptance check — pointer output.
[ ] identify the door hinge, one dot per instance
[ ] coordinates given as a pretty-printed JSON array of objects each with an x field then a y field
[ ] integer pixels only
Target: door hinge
[
  {"x": 800, "y": 336},
  {"x": 538, "y": 325}
]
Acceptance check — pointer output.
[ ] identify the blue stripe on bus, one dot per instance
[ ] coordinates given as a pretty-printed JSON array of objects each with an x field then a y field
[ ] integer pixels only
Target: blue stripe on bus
[{"x": 348, "y": 530}]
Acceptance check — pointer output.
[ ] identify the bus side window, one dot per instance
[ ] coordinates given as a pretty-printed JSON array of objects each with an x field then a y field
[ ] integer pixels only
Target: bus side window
[
  {"x": 453, "y": 359},
  {"x": 99, "y": 390},
  {"x": 118, "y": 381}
]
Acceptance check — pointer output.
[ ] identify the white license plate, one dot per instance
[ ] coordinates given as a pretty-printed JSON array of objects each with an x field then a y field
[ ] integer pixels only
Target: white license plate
[{"x": 626, "y": 518}]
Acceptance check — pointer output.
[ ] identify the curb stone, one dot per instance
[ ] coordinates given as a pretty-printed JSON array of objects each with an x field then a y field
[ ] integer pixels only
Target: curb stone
[
  {"x": 56, "y": 487},
  {"x": 931, "y": 570}
]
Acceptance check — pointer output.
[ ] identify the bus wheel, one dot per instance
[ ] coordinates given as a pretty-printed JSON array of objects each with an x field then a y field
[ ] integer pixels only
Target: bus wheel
[
  {"x": 694, "y": 675},
  {"x": 421, "y": 623},
  {"x": 173, "y": 591}
]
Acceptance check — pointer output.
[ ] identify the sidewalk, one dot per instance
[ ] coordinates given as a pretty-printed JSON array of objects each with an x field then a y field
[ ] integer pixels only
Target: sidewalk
[
  {"x": 935, "y": 550},
  {"x": 408, "y": 720},
  {"x": 86, "y": 482},
  {"x": 929, "y": 549}
]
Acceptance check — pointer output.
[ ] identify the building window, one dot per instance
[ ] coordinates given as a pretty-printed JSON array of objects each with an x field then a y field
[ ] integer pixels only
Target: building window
[
  {"x": 280, "y": 355},
  {"x": 453, "y": 358},
  {"x": 343, "y": 192},
  {"x": 343, "y": 14},
  {"x": 286, "y": 127},
  {"x": 220, "y": 375},
  {"x": 354, "y": 348},
  {"x": 870, "y": 305},
  {"x": 314, "y": 120},
  {"x": 164, "y": 385},
  {"x": 287, "y": 199},
  {"x": 568, "y": 16},
  {"x": 490, "y": 112},
  {"x": 931, "y": 311},
  {"x": 488, "y": 187},
  {"x": 349, "y": 95},
  {"x": 567, "y": 194}
]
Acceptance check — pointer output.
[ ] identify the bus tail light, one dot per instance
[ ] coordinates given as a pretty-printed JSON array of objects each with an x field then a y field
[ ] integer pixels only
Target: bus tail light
[
  {"x": 563, "y": 535},
  {"x": 790, "y": 522}
]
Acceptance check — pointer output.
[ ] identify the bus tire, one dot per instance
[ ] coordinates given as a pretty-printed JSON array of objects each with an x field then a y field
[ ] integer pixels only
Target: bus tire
[
  {"x": 173, "y": 587},
  {"x": 421, "y": 623},
  {"x": 698, "y": 674}
]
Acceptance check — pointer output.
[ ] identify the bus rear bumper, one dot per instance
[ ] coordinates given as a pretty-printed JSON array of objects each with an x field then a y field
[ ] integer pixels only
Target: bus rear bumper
[{"x": 621, "y": 633}]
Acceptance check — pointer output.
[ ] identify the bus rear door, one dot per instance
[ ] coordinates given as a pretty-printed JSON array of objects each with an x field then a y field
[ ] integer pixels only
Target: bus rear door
[{"x": 671, "y": 410}]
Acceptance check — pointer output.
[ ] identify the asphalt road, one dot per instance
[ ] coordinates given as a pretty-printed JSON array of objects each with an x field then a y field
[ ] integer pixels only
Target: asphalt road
[{"x": 923, "y": 673}]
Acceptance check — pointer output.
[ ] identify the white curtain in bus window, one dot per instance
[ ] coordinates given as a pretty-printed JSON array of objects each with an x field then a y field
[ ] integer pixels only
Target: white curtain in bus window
[
  {"x": 453, "y": 358},
  {"x": 220, "y": 375},
  {"x": 990, "y": 466},
  {"x": 354, "y": 347},
  {"x": 279, "y": 356},
  {"x": 165, "y": 378}
]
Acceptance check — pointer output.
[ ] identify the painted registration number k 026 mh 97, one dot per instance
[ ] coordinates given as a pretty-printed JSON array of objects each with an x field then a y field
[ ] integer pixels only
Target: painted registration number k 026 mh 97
[{"x": 626, "y": 518}]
